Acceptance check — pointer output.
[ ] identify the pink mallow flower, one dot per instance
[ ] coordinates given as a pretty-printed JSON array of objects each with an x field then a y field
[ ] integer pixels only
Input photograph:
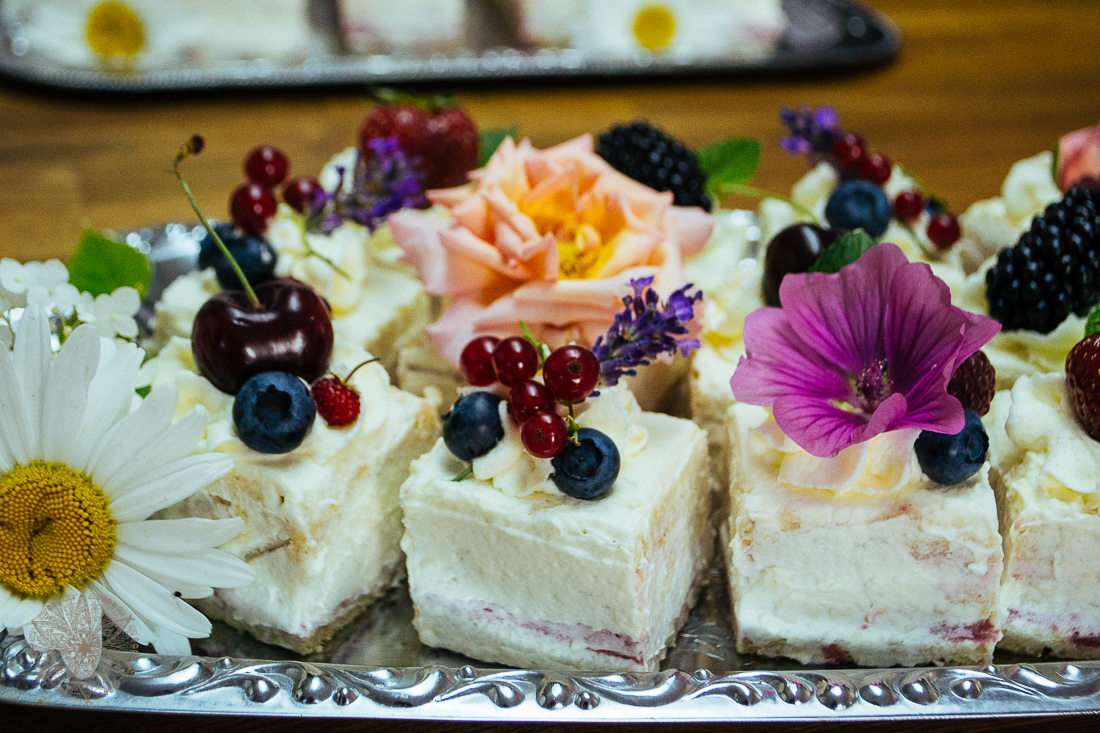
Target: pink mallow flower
[
  {"x": 548, "y": 237},
  {"x": 1079, "y": 159},
  {"x": 864, "y": 351}
]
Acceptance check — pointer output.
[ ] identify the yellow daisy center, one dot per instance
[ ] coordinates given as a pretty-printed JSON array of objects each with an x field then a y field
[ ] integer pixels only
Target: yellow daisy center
[
  {"x": 55, "y": 530},
  {"x": 654, "y": 27},
  {"x": 114, "y": 29}
]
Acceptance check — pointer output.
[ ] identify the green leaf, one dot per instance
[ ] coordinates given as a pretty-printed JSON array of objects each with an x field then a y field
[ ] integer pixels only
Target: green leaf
[
  {"x": 491, "y": 140},
  {"x": 100, "y": 265},
  {"x": 843, "y": 251},
  {"x": 143, "y": 392},
  {"x": 730, "y": 161},
  {"x": 1092, "y": 325}
]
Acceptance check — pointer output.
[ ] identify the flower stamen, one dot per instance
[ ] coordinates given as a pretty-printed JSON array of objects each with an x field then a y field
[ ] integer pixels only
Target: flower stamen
[{"x": 873, "y": 385}]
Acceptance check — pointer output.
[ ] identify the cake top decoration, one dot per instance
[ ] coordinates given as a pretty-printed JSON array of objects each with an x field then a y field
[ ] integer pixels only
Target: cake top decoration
[
  {"x": 1078, "y": 159},
  {"x": 864, "y": 351}
]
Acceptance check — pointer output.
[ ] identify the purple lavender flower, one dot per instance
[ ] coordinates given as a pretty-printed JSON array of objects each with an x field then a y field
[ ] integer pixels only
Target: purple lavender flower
[
  {"x": 382, "y": 185},
  {"x": 811, "y": 131},
  {"x": 644, "y": 330},
  {"x": 864, "y": 351}
]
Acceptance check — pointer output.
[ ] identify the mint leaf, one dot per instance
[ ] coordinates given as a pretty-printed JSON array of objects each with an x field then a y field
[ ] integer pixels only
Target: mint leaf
[
  {"x": 844, "y": 251},
  {"x": 1092, "y": 325},
  {"x": 100, "y": 265},
  {"x": 730, "y": 161},
  {"x": 491, "y": 140}
]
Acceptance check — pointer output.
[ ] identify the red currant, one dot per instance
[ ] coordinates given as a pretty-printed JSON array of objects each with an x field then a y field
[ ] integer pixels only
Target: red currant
[
  {"x": 908, "y": 205},
  {"x": 544, "y": 435},
  {"x": 266, "y": 166},
  {"x": 849, "y": 151},
  {"x": 251, "y": 205},
  {"x": 529, "y": 397},
  {"x": 876, "y": 169},
  {"x": 571, "y": 373},
  {"x": 300, "y": 193},
  {"x": 476, "y": 361},
  {"x": 944, "y": 230},
  {"x": 515, "y": 359}
]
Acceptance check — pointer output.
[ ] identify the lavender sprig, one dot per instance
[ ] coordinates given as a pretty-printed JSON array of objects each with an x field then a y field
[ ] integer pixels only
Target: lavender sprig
[
  {"x": 644, "y": 330},
  {"x": 811, "y": 131},
  {"x": 384, "y": 184}
]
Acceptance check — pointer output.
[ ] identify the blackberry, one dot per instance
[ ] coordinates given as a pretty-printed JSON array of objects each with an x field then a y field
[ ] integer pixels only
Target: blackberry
[
  {"x": 651, "y": 156},
  {"x": 1053, "y": 270}
]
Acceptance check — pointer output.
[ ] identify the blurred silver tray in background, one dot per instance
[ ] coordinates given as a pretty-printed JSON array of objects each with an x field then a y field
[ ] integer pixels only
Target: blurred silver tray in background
[{"x": 821, "y": 34}]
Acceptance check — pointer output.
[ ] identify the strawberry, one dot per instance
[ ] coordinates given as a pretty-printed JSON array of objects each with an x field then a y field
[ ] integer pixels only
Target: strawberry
[
  {"x": 974, "y": 383},
  {"x": 337, "y": 402},
  {"x": 441, "y": 141},
  {"x": 1083, "y": 383}
]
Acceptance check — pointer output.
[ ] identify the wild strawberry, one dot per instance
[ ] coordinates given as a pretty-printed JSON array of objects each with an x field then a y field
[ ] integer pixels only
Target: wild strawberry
[
  {"x": 337, "y": 401},
  {"x": 441, "y": 142},
  {"x": 1083, "y": 382},
  {"x": 974, "y": 383}
]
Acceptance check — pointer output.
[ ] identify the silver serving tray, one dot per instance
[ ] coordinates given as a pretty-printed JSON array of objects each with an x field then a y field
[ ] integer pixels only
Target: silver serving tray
[
  {"x": 377, "y": 667},
  {"x": 821, "y": 34}
]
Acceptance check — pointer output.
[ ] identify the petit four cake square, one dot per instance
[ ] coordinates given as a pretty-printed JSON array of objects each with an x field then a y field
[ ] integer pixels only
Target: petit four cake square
[
  {"x": 1046, "y": 472},
  {"x": 323, "y": 521},
  {"x": 417, "y": 26},
  {"x": 505, "y": 568},
  {"x": 903, "y": 577}
]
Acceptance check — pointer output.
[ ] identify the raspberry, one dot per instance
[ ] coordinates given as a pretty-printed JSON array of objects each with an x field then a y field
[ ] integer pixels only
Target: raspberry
[
  {"x": 651, "y": 156},
  {"x": 1083, "y": 383},
  {"x": 441, "y": 142},
  {"x": 1053, "y": 270},
  {"x": 974, "y": 383},
  {"x": 337, "y": 402}
]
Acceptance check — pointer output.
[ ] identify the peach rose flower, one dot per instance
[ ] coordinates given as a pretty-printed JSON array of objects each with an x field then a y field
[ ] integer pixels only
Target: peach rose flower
[
  {"x": 1079, "y": 158},
  {"x": 548, "y": 237}
]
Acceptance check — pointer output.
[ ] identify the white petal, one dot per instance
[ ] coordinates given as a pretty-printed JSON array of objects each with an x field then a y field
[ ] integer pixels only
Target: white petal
[
  {"x": 109, "y": 397},
  {"x": 66, "y": 394},
  {"x": 17, "y": 612},
  {"x": 176, "y": 442},
  {"x": 127, "y": 438},
  {"x": 210, "y": 567},
  {"x": 153, "y": 602},
  {"x": 15, "y": 428},
  {"x": 32, "y": 354},
  {"x": 188, "y": 476},
  {"x": 178, "y": 536},
  {"x": 165, "y": 642},
  {"x": 123, "y": 616}
]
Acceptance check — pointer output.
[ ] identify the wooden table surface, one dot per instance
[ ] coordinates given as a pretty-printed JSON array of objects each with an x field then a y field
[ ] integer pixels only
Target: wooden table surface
[{"x": 978, "y": 85}]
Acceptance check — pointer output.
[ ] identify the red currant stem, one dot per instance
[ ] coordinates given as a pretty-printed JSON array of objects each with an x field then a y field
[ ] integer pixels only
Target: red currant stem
[
  {"x": 726, "y": 189},
  {"x": 185, "y": 152},
  {"x": 465, "y": 473},
  {"x": 932, "y": 256},
  {"x": 542, "y": 349},
  {"x": 571, "y": 427},
  {"x": 353, "y": 371},
  {"x": 310, "y": 252}
]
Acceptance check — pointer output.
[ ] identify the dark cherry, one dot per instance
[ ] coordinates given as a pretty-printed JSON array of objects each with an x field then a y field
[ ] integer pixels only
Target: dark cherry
[
  {"x": 571, "y": 373},
  {"x": 794, "y": 249},
  {"x": 476, "y": 361},
  {"x": 544, "y": 435},
  {"x": 849, "y": 151},
  {"x": 266, "y": 165},
  {"x": 944, "y": 230},
  {"x": 876, "y": 169},
  {"x": 908, "y": 205},
  {"x": 300, "y": 192},
  {"x": 515, "y": 359},
  {"x": 290, "y": 332},
  {"x": 251, "y": 205},
  {"x": 529, "y": 397}
]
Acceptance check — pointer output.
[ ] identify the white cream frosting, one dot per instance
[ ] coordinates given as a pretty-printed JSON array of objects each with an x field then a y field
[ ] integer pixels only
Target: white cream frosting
[
  {"x": 515, "y": 472},
  {"x": 347, "y": 248}
]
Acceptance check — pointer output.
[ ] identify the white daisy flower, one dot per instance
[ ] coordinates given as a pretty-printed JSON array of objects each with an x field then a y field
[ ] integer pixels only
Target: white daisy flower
[{"x": 80, "y": 472}]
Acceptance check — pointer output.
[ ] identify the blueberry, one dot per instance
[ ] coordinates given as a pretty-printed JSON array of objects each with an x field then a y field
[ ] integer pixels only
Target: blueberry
[
  {"x": 472, "y": 428},
  {"x": 949, "y": 459},
  {"x": 587, "y": 469},
  {"x": 273, "y": 412},
  {"x": 253, "y": 253},
  {"x": 859, "y": 205},
  {"x": 208, "y": 250}
]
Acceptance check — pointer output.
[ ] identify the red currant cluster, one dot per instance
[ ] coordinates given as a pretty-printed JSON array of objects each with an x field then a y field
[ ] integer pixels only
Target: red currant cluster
[
  {"x": 252, "y": 204},
  {"x": 569, "y": 374},
  {"x": 853, "y": 160}
]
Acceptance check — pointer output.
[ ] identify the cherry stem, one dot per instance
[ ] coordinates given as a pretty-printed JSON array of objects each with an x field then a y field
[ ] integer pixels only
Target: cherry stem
[
  {"x": 310, "y": 252},
  {"x": 194, "y": 147},
  {"x": 347, "y": 379},
  {"x": 465, "y": 473},
  {"x": 725, "y": 189}
]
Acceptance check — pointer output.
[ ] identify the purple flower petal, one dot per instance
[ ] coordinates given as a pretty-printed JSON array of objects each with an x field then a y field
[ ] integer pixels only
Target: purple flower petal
[{"x": 824, "y": 429}]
